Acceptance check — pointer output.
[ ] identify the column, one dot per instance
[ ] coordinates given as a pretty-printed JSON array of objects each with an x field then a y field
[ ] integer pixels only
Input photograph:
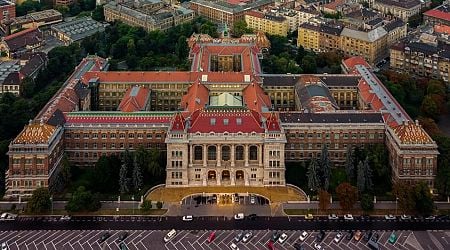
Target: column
[
  {"x": 191, "y": 154},
  {"x": 232, "y": 154},
  {"x": 205, "y": 156},
  {"x": 246, "y": 155},
  {"x": 219, "y": 155},
  {"x": 260, "y": 155},
  {"x": 233, "y": 177},
  {"x": 218, "y": 177}
]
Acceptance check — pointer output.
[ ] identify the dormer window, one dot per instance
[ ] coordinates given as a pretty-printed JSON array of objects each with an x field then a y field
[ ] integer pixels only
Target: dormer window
[
  {"x": 225, "y": 121},
  {"x": 238, "y": 121},
  {"x": 213, "y": 121}
]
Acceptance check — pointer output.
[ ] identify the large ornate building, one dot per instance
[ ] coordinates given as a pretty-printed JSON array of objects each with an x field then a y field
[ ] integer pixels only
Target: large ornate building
[{"x": 222, "y": 123}]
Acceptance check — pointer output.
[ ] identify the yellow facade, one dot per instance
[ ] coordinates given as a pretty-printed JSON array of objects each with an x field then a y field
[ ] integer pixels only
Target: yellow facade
[
  {"x": 268, "y": 24},
  {"x": 308, "y": 37}
]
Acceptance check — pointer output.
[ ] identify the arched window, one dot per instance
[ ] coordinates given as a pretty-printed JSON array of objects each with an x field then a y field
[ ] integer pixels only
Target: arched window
[
  {"x": 239, "y": 153},
  {"x": 253, "y": 153},
  {"x": 198, "y": 153},
  {"x": 212, "y": 153},
  {"x": 225, "y": 153}
]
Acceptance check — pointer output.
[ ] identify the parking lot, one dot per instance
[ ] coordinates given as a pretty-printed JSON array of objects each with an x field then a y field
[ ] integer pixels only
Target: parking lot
[{"x": 197, "y": 240}]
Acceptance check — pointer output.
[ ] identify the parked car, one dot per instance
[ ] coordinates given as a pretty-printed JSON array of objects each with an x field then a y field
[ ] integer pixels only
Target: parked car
[
  {"x": 333, "y": 217},
  {"x": 303, "y": 236},
  {"x": 389, "y": 217},
  {"x": 252, "y": 216},
  {"x": 252, "y": 199},
  {"x": 239, "y": 236},
  {"x": 282, "y": 238},
  {"x": 367, "y": 236},
  {"x": 392, "y": 238},
  {"x": 358, "y": 235},
  {"x": 104, "y": 237},
  {"x": 247, "y": 237},
  {"x": 349, "y": 235},
  {"x": 338, "y": 237},
  {"x": 375, "y": 237},
  {"x": 8, "y": 216},
  {"x": 405, "y": 217},
  {"x": 233, "y": 246},
  {"x": 431, "y": 217},
  {"x": 188, "y": 218},
  {"x": 169, "y": 236},
  {"x": 317, "y": 246},
  {"x": 4, "y": 246},
  {"x": 309, "y": 217},
  {"x": 123, "y": 246},
  {"x": 320, "y": 236},
  {"x": 122, "y": 236},
  {"x": 270, "y": 245},
  {"x": 211, "y": 237},
  {"x": 65, "y": 218},
  {"x": 298, "y": 246},
  {"x": 239, "y": 216},
  {"x": 275, "y": 236},
  {"x": 348, "y": 217}
]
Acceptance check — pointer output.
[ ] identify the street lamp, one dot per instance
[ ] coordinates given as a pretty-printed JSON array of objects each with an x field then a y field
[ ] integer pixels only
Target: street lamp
[{"x": 132, "y": 198}]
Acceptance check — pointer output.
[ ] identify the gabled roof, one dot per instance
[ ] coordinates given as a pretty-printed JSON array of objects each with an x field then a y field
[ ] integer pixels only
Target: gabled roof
[
  {"x": 412, "y": 133},
  {"x": 35, "y": 133},
  {"x": 273, "y": 123},
  {"x": 231, "y": 120},
  {"x": 23, "y": 38},
  {"x": 255, "y": 98},
  {"x": 436, "y": 13},
  {"x": 178, "y": 122},
  {"x": 350, "y": 63},
  {"x": 196, "y": 97},
  {"x": 136, "y": 99}
]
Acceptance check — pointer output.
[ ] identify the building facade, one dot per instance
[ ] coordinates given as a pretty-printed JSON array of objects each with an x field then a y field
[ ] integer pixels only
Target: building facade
[
  {"x": 273, "y": 25},
  {"x": 402, "y": 9}
]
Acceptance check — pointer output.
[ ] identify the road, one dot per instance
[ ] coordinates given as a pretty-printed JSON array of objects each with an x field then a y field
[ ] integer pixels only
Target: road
[{"x": 215, "y": 223}]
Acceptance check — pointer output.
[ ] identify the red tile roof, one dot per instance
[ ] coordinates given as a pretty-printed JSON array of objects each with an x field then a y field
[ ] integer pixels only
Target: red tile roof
[
  {"x": 136, "y": 99},
  {"x": 178, "y": 122},
  {"x": 273, "y": 123},
  {"x": 442, "y": 29},
  {"x": 255, "y": 98},
  {"x": 438, "y": 14},
  {"x": 139, "y": 77},
  {"x": 412, "y": 133},
  {"x": 226, "y": 120},
  {"x": 351, "y": 62},
  {"x": 35, "y": 133},
  {"x": 196, "y": 97},
  {"x": 118, "y": 118},
  {"x": 255, "y": 14}
]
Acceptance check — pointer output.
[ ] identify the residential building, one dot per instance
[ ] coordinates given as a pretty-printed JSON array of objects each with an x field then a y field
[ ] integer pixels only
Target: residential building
[
  {"x": 7, "y": 10},
  {"x": 273, "y": 25},
  {"x": 306, "y": 13},
  {"x": 63, "y": 3},
  {"x": 148, "y": 14},
  {"x": 76, "y": 29},
  {"x": 397, "y": 30},
  {"x": 421, "y": 59},
  {"x": 21, "y": 42},
  {"x": 438, "y": 15},
  {"x": 226, "y": 11},
  {"x": 10, "y": 77},
  {"x": 308, "y": 37},
  {"x": 402, "y": 9}
]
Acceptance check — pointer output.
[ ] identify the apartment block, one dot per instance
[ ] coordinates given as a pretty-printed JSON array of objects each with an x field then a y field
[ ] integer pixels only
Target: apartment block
[{"x": 271, "y": 24}]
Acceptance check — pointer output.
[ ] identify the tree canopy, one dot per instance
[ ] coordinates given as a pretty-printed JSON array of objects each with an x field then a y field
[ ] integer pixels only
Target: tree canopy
[{"x": 40, "y": 201}]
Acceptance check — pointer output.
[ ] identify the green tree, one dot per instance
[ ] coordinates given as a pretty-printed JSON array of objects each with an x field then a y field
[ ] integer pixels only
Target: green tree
[
  {"x": 154, "y": 168},
  {"x": 309, "y": 64},
  {"x": 367, "y": 202},
  {"x": 313, "y": 180},
  {"x": 27, "y": 87},
  {"x": 98, "y": 14},
  {"x": 83, "y": 200},
  {"x": 108, "y": 167},
  {"x": 123, "y": 179},
  {"x": 364, "y": 180},
  {"x": 349, "y": 164},
  {"x": 40, "y": 201},
  {"x": 138, "y": 181},
  {"x": 240, "y": 28},
  {"x": 181, "y": 48},
  {"x": 66, "y": 170},
  {"x": 429, "y": 107},
  {"x": 27, "y": 7},
  {"x": 146, "y": 205},
  {"x": 347, "y": 195},
  {"x": 423, "y": 199},
  {"x": 325, "y": 166},
  {"x": 405, "y": 196}
]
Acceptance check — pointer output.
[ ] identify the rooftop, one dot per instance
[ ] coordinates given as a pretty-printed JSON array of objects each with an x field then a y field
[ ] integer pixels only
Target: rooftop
[
  {"x": 118, "y": 117},
  {"x": 442, "y": 12},
  {"x": 79, "y": 28},
  {"x": 370, "y": 36},
  {"x": 35, "y": 133},
  {"x": 23, "y": 38},
  {"x": 135, "y": 99},
  {"x": 412, "y": 133},
  {"x": 334, "y": 117},
  {"x": 232, "y": 6},
  {"x": 405, "y": 4}
]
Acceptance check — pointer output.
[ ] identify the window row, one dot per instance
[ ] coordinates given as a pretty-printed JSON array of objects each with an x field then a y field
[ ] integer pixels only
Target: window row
[
  {"x": 113, "y": 136},
  {"x": 225, "y": 153},
  {"x": 28, "y": 161}
]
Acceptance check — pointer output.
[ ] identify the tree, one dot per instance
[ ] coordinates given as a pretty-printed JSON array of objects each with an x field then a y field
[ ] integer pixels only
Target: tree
[
  {"x": 423, "y": 199},
  {"x": 325, "y": 165},
  {"x": 98, "y": 14},
  {"x": 83, "y": 200},
  {"x": 347, "y": 195},
  {"x": 309, "y": 64},
  {"x": 443, "y": 177},
  {"x": 429, "y": 107},
  {"x": 367, "y": 202},
  {"x": 146, "y": 205},
  {"x": 324, "y": 199},
  {"x": 154, "y": 168},
  {"x": 137, "y": 176},
  {"x": 405, "y": 196},
  {"x": 240, "y": 28},
  {"x": 364, "y": 180},
  {"x": 181, "y": 48},
  {"x": 313, "y": 180},
  {"x": 123, "y": 179},
  {"x": 40, "y": 201},
  {"x": 108, "y": 167},
  {"x": 159, "y": 205},
  {"x": 360, "y": 182},
  {"x": 66, "y": 170},
  {"x": 349, "y": 165}
]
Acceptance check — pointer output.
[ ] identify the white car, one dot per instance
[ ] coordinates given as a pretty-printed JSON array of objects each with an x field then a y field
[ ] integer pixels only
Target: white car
[
  {"x": 303, "y": 236},
  {"x": 405, "y": 217},
  {"x": 282, "y": 238},
  {"x": 348, "y": 217},
  {"x": 252, "y": 200},
  {"x": 188, "y": 218},
  {"x": 239, "y": 216},
  {"x": 389, "y": 217},
  {"x": 333, "y": 217},
  {"x": 247, "y": 237},
  {"x": 169, "y": 236},
  {"x": 317, "y": 246},
  {"x": 338, "y": 237},
  {"x": 8, "y": 216},
  {"x": 4, "y": 246},
  {"x": 234, "y": 246},
  {"x": 65, "y": 218}
]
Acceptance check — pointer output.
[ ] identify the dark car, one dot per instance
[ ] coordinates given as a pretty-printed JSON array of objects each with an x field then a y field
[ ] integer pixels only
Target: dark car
[
  {"x": 320, "y": 236},
  {"x": 442, "y": 217},
  {"x": 367, "y": 236},
  {"x": 104, "y": 237},
  {"x": 123, "y": 246},
  {"x": 349, "y": 235},
  {"x": 298, "y": 246},
  {"x": 275, "y": 236},
  {"x": 375, "y": 237},
  {"x": 122, "y": 236},
  {"x": 252, "y": 216}
]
